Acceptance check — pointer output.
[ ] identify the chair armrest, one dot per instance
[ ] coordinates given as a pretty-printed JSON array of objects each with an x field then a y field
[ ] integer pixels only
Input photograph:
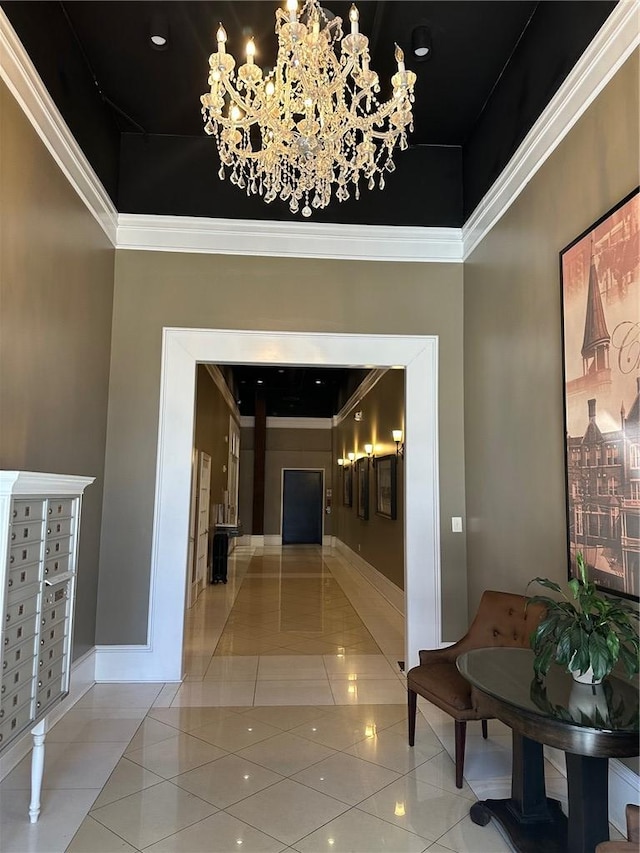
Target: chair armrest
[
  {"x": 633, "y": 822},
  {"x": 448, "y": 654}
]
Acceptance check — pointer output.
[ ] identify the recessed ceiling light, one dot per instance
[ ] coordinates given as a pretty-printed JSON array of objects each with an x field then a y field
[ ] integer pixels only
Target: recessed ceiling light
[
  {"x": 421, "y": 43},
  {"x": 260, "y": 381},
  {"x": 159, "y": 31}
]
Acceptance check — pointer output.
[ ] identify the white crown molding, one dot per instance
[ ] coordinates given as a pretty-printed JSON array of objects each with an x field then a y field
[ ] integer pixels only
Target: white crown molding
[
  {"x": 34, "y": 483},
  {"x": 288, "y": 423},
  {"x": 613, "y": 44},
  {"x": 289, "y": 239},
  {"x": 370, "y": 380},
  {"x": 23, "y": 81},
  {"x": 221, "y": 383},
  {"x": 615, "y": 41}
]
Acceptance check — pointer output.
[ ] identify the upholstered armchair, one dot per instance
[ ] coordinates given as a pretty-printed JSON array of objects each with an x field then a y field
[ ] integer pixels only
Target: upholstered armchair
[
  {"x": 633, "y": 835},
  {"x": 501, "y": 620}
]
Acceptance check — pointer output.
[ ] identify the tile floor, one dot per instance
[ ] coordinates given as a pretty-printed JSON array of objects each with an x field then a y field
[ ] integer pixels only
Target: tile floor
[{"x": 287, "y": 734}]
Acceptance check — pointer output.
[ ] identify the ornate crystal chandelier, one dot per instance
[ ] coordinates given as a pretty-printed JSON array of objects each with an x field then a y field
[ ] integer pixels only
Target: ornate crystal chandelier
[{"x": 315, "y": 120}]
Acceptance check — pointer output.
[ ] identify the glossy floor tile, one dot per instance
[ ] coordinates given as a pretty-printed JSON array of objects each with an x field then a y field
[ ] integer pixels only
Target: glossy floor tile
[{"x": 288, "y": 735}]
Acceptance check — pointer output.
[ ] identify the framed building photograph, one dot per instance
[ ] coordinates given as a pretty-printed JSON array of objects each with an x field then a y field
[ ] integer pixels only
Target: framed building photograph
[
  {"x": 347, "y": 485},
  {"x": 600, "y": 283},
  {"x": 386, "y": 503},
  {"x": 362, "y": 477}
]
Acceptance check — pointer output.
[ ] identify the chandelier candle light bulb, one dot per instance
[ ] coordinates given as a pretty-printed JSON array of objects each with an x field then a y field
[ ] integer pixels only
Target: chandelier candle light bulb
[
  {"x": 353, "y": 17},
  {"x": 221, "y": 37},
  {"x": 315, "y": 128}
]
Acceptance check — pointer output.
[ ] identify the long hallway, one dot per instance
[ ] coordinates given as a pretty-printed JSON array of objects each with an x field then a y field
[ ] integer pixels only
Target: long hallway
[{"x": 287, "y": 734}]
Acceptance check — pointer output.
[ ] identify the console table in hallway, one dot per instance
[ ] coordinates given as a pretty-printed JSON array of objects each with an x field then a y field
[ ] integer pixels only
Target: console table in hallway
[{"x": 591, "y": 724}]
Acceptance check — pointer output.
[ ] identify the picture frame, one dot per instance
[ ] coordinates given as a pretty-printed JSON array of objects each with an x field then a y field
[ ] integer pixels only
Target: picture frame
[
  {"x": 362, "y": 477},
  {"x": 600, "y": 292},
  {"x": 347, "y": 485},
  {"x": 386, "y": 486}
]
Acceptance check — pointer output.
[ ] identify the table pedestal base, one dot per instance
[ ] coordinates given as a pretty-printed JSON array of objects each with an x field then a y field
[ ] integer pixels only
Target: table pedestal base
[
  {"x": 536, "y": 823},
  {"x": 528, "y": 835}
]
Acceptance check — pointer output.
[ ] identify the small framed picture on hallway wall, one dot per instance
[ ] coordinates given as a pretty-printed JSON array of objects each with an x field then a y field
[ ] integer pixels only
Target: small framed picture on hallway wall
[
  {"x": 347, "y": 485},
  {"x": 600, "y": 282},
  {"x": 362, "y": 477},
  {"x": 386, "y": 495}
]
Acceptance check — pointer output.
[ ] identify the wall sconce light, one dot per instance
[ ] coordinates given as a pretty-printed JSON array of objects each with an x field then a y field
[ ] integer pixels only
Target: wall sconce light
[
  {"x": 341, "y": 461},
  {"x": 351, "y": 457},
  {"x": 368, "y": 449},
  {"x": 397, "y": 437}
]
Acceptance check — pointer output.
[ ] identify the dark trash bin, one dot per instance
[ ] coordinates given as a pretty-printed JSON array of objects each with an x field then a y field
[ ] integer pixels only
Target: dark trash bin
[{"x": 219, "y": 551}]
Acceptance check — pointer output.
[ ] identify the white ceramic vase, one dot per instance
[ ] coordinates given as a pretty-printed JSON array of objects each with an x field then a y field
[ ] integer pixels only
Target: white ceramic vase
[{"x": 585, "y": 677}]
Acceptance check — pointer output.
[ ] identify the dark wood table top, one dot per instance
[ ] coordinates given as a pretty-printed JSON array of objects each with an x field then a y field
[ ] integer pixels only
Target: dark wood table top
[{"x": 597, "y": 720}]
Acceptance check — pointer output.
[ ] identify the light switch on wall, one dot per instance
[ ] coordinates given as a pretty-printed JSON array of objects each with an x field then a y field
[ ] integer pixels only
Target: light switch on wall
[{"x": 456, "y": 524}]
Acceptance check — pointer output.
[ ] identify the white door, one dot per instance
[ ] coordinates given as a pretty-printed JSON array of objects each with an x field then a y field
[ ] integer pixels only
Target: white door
[
  {"x": 193, "y": 523},
  {"x": 202, "y": 526},
  {"x": 232, "y": 476}
]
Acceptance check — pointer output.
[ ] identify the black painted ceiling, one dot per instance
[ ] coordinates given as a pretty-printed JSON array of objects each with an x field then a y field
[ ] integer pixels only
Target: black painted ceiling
[
  {"x": 135, "y": 111},
  {"x": 294, "y": 392}
]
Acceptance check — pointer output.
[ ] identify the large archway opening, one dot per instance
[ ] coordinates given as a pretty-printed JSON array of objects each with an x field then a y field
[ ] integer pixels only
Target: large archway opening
[{"x": 161, "y": 658}]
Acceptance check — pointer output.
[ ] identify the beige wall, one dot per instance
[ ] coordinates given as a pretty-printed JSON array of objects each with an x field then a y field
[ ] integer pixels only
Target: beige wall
[
  {"x": 56, "y": 290},
  {"x": 285, "y": 448},
  {"x": 293, "y": 448},
  {"x": 153, "y": 290},
  {"x": 212, "y": 415},
  {"x": 378, "y": 540},
  {"x": 514, "y": 442}
]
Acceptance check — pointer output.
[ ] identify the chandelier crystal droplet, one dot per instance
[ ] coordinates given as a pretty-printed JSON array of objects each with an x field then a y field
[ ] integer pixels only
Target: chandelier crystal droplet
[{"x": 314, "y": 121}]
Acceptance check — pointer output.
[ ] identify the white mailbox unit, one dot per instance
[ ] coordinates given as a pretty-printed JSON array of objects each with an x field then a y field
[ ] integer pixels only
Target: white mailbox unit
[{"x": 39, "y": 533}]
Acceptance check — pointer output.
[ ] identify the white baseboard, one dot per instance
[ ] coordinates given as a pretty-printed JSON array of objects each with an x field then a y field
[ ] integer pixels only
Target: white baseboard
[
  {"x": 250, "y": 540},
  {"x": 275, "y": 540},
  {"x": 624, "y": 786},
  {"x": 82, "y": 679},
  {"x": 136, "y": 663},
  {"x": 393, "y": 594}
]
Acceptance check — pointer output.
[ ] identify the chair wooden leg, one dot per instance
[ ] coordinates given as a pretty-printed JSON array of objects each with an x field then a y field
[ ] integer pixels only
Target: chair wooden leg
[
  {"x": 485, "y": 733},
  {"x": 412, "y": 698},
  {"x": 460, "y": 733}
]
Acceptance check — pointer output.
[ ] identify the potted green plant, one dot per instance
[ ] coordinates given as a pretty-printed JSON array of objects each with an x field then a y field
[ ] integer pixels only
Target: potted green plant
[{"x": 586, "y": 632}]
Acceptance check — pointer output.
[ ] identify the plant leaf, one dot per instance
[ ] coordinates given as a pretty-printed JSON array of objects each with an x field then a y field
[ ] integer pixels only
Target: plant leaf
[
  {"x": 613, "y": 644},
  {"x": 599, "y": 656},
  {"x": 542, "y": 661},
  {"x": 629, "y": 660},
  {"x": 580, "y": 643},
  {"x": 574, "y": 586},
  {"x": 545, "y": 582},
  {"x": 564, "y": 649}
]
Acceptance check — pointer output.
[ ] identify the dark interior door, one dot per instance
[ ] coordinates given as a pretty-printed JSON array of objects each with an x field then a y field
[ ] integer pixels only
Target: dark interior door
[{"x": 302, "y": 508}]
